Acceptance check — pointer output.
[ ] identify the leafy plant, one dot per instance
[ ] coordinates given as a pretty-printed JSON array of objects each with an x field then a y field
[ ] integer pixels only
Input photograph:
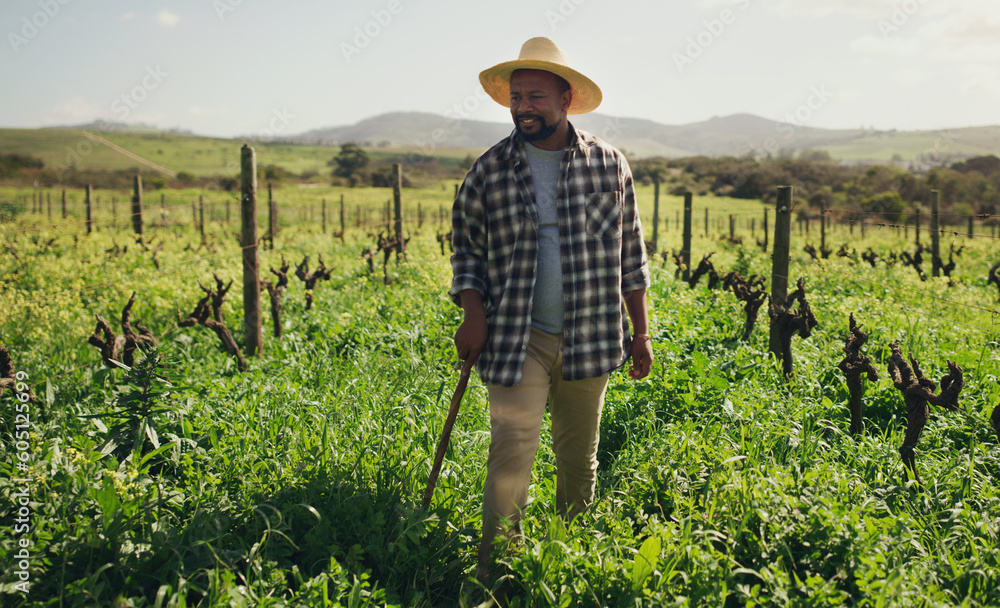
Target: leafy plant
[{"x": 138, "y": 404}]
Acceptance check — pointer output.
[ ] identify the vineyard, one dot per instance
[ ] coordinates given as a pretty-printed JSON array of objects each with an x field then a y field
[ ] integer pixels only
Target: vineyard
[{"x": 149, "y": 460}]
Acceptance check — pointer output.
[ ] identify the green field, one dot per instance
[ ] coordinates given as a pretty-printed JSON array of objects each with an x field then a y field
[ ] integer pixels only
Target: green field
[
  {"x": 197, "y": 155},
  {"x": 298, "y": 482},
  {"x": 926, "y": 147}
]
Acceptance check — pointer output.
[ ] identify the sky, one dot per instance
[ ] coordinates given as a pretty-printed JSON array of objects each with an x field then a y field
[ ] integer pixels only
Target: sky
[{"x": 259, "y": 68}]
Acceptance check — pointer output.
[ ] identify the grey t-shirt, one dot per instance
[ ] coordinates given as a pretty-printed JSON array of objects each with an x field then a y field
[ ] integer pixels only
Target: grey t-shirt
[{"x": 547, "y": 305}]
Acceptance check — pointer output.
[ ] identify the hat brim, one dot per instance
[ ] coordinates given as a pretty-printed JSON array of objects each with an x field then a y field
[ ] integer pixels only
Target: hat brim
[{"x": 496, "y": 82}]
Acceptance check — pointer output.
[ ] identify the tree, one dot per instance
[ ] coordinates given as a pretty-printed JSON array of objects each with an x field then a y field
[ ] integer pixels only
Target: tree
[
  {"x": 987, "y": 165},
  {"x": 274, "y": 173},
  {"x": 350, "y": 160},
  {"x": 887, "y": 204}
]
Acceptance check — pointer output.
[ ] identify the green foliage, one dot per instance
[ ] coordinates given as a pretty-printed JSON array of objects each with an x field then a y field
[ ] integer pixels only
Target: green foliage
[
  {"x": 137, "y": 404},
  {"x": 886, "y": 204},
  {"x": 185, "y": 179},
  {"x": 986, "y": 165},
  {"x": 351, "y": 159},
  {"x": 298, "y": 482},
  {"x": 273, "y": 173},
  {"x": 12, "y": 164}
]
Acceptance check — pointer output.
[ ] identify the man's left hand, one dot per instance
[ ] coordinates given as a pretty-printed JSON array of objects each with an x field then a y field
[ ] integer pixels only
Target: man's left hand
[{"x": 642, "y": 358}]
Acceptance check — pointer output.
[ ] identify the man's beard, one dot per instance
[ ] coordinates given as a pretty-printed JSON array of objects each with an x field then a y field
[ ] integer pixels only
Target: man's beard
[{"x": 544, "y": 132}]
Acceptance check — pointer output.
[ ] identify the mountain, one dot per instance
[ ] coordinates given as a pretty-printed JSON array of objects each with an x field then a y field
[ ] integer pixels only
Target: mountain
[
  {"x": 108, "y": 126},
  {"x": 729, "y": 135},
  {"x": 734, "y": 135},
  {"x": 409, "y": 129}
]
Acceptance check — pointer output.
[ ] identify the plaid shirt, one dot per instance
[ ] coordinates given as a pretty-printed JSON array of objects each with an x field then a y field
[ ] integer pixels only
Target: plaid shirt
[{"x": 494, "y": 233}]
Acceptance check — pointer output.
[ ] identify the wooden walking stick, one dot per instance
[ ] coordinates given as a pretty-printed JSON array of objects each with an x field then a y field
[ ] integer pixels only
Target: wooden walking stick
[{"x": 456, "y": 400}]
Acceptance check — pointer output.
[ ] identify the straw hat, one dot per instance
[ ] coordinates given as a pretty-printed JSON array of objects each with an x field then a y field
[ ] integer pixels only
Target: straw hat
[{"x": 542, "y": 54}]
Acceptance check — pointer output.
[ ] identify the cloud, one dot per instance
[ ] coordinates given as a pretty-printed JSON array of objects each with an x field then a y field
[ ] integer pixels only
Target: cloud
[
  {"x": 129, "y": 16},
  {"x": 967, "y": 19},
  {"x": 981, "y": 78},
  {"x": 870, "y": 44},
  {"x": 167, "y": 18},
  {"x": 816, "y": 9},
  {"x": 196, "y": 110},
  {"x": 73, "y": 111},
  {"x": 909, "y": 76}
]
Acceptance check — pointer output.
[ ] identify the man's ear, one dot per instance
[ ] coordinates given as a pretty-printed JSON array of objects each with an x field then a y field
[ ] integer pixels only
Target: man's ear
[{"x": 567, "y": 99}]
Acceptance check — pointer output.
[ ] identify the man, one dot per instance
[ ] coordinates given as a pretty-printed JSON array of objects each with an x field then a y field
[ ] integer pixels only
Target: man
[{"x": 548, "y": 261}]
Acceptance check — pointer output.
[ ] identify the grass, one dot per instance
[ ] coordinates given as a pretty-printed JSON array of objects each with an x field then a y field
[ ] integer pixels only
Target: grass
[
  {"x": 298, "y": 482},
  {"x": 194, "y": 154}
]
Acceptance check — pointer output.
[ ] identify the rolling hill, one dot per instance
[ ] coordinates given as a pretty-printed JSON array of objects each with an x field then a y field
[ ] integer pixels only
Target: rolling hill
[
  {"x": 734, "y": 135},
  {"x": 391, "y": 135}
]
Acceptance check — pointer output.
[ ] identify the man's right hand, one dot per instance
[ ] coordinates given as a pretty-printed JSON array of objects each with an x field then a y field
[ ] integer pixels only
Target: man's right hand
[{"x": 470, "y": 339}]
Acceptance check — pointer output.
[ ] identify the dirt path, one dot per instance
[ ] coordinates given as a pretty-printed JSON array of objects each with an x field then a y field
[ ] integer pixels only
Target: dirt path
[{"x": 131, "y": 155}]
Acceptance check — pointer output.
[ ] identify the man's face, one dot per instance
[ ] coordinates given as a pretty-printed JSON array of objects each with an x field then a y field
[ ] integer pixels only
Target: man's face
[{"x": 536, "y": 103}]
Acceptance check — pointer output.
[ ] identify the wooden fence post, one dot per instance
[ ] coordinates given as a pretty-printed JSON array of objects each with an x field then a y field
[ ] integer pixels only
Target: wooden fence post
[
  {"x": 64, "y": 203},
  {"x": 706, "y": 221},
  {"x": 971, "y": 229},
  {"x": 765, "y": 229},
  {"x": 779, "y": 259},
  {"x": 201, "y": 216},
  {"x": 272, "y": 223},
  {"x": 822, "y": 229},
  {"x": 90, "y": 218},
  {"x": 935, "y": 235},
  {"x": 656, "y": 209},
  {"x": 137, "y": 206},
  {"x": 397, "y": 197},
  {"x": 686, "y": 249},
  {"x": 916, "y": 229},
  {"x": 253, "y": 336}
]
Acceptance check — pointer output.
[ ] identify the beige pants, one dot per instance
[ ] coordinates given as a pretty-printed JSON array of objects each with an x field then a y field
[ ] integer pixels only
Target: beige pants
[{"x": 516, "y": 415}]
